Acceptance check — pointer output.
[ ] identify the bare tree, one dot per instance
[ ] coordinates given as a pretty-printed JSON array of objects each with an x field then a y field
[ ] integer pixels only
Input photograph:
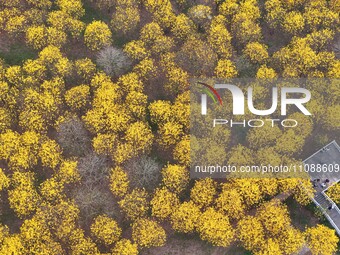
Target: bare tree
[
  {"x": 73, "y": 137},
  {"x": 113, "y": 61},
  {"x": 93, "y": 195},
  {"x": 93, "y": 169},
  {"x": 144, "y": 171},
  {"x": 95, "y": 201}
]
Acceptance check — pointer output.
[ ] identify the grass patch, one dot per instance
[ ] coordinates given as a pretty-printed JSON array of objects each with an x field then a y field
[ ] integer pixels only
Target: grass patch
[
  {"x": 302, "y": 216},
  {"x": 17, "y": 54},
  {"x": 119, "y": 40},
  {"x": 92, "y": 14}
]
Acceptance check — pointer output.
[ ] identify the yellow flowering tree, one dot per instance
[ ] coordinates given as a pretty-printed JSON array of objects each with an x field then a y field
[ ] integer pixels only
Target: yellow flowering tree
[
  {"x": 85, "y": 68},
  {"x": 135, "y": 204},
  {"x": 230, "y": 203},
  {"x": 148, "y": 233},
  {"x": 256, "y": 52},
  {"x": 52, "y": 190},
  {"x": 68, "y": 172},
  {"x": 200, "y": 14},
  {"x": 125, "y": 247},
  {"x": 126, "y": 18},
  {"x": 182, "y": 151},
  {"x": 293, "y": 22},
  {"x": 170, "y": 133},
  {"x": 321, "y": 240},
  {"x": 105, "y": 229},
  {"x": 265, "y": 72},
  {"x": 36, "y": 37},
  {"x": 162, "y": 11},
  {"x": 203, "y": 192},
  {"x": 73, "y": 8},
  {"x": 97, "y": 35},
  {"x": 182, "y": 26},
  {"x": 136, "y": 49},
  {"x": 140, "y": 137},
  {"x": 164, "y": 203},
  {"x": 160, "y": 111},
  {"x": 274, "y": 217},
  {"x": 215, "y": 228},
  {"x": 175, "y": 177},
  {"x": 250, "y": 232},
  {"x": 4, "y": 180},
  {"x": 334, "y": 193},
  {"x": 225, "y": 69},
  {"x": 50, "y": 154},
  {"x": 185, "y": 218},
  {"x": 77, "y": 98},
  {"x": 119, "y": 182},
  {"x": 23, "y": 197},
  {"x": 219, "y": 37}
]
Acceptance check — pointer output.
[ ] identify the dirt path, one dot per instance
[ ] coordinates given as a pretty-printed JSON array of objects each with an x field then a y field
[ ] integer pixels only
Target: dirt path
[
  {"x": 219, "y": 251},
  {"x": 282, "y": 196},
  {"x": 4, "y": 42}
]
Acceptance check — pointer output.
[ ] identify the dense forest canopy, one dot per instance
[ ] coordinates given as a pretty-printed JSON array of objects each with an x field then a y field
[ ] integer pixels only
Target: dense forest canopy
[{"x": 95, "y": 125}]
